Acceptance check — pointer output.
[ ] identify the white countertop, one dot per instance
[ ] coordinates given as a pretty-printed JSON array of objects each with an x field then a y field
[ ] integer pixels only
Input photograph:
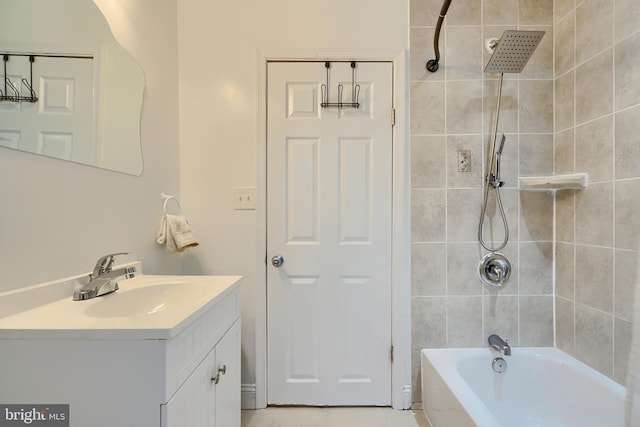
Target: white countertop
[{"x": 129, "y": 313}]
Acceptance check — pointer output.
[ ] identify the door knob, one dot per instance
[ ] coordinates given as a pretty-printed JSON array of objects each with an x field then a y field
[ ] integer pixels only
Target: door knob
[{"x": 277, "y": 261}]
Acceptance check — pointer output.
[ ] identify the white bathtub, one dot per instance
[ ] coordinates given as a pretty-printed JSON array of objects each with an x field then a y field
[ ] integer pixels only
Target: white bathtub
[{"x": 542, "y": 387}]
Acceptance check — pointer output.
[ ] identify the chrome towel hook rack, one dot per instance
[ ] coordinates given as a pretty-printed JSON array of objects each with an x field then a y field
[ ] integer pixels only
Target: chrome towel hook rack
[
  {"x": 355, "y": 90},
  {"x": 10, "y": 92},
  {"x": 15, "y": 96}
]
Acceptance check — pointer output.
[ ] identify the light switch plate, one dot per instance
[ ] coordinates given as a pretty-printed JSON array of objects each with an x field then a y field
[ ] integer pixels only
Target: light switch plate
[{"x": 244, "y": 198}]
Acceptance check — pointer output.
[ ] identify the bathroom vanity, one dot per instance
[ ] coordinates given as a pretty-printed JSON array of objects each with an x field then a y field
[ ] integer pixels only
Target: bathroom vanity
[{"x": 161, "y": 351}]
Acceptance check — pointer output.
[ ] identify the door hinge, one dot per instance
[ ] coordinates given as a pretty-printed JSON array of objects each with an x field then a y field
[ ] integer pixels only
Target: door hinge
[
  {"x": 391, "y": 354},
  {"x": 393, "y": 117}
]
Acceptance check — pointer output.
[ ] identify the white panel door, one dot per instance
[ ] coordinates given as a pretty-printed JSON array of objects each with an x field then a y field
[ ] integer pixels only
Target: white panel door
[
  {"x": 329, "y": 205},
  {"x": 61, "y": 123}
]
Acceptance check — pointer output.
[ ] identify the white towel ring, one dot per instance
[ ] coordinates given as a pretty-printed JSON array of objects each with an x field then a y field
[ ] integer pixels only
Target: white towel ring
[{"x": 166, "y": 198}]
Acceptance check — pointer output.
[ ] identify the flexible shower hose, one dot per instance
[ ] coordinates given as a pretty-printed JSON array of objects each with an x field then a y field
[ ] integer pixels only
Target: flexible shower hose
[
  {"x": 492, "y": 166},
  {"x": 483, "y": 214}
]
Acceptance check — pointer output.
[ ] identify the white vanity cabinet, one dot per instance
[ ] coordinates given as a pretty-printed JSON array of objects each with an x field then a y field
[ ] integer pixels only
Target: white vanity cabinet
[
  {"x": 210, "y": 397},
  {"x": 156, "y": 369}
]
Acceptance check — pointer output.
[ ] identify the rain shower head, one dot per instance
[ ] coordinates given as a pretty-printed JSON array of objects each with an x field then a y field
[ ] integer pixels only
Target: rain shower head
[{"x": 513, "y": 51}]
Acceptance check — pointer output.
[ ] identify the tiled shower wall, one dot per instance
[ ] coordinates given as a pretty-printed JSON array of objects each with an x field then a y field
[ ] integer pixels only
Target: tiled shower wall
[
  {"x": 597, "y": 123},
  {"x": 451, "y": 110}
]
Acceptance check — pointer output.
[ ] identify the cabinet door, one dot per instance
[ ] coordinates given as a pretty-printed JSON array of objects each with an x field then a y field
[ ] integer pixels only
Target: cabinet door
[
  {"x": 192, "y": 404},
  {"x": 227, "y": 391}
]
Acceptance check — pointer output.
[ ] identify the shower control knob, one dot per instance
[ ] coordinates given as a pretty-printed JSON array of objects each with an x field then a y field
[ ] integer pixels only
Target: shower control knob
[
  {"x": 495, "y": 270},
  {"x": 277, "y": 261}
]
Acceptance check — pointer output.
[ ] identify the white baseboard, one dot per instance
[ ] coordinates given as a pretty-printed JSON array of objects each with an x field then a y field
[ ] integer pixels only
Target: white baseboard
[
  {"x": 406, "y": 397},
  {"x": 248, "y": 396}
]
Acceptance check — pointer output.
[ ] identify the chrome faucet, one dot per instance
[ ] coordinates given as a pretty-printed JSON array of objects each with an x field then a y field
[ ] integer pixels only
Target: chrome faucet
[
  {"x": 104, "y": 279},
  {"x": 499, "y": 344}
]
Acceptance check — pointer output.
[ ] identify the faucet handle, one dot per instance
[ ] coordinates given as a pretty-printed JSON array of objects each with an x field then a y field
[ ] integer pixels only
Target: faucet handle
[{"x": 103, "y": 265}]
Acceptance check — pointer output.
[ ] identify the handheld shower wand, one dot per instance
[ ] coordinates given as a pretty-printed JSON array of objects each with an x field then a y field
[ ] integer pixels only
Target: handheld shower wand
[{"x": 494, "y": 178}]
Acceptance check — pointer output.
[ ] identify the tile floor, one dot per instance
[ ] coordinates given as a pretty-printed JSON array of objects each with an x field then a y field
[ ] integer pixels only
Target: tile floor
[{"x": 333, "y": 417}]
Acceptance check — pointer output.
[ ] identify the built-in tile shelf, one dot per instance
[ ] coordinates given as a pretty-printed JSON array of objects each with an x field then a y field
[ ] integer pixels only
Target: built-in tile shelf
[{"x": 569, "y": 181}]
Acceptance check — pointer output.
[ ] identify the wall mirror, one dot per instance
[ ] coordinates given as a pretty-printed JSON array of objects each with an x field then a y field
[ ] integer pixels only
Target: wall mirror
[{"x": 88, "y": 86}]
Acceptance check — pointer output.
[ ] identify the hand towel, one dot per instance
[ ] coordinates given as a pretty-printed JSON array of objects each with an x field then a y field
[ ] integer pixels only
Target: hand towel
[{"x": 175, "y": 232}]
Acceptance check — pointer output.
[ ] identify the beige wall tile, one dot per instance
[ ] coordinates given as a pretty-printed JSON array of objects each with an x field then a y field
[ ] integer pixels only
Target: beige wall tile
[
  {"x": 427, "y": 108},
  {"x": 536, "y": 154},
  {"x": 464, "y": 322},
  {"x": 627, "y": 63},
  {"x": 594, "y": 88},
  {"x": 594, "y": 339},
  {"x": 424, "y": 12},
  {"x": 428, "y": 215},
  {"x": 427, "y": 168},
  {"x": 627, "y": 129},
  {"x": 565, "y": 151},
  {"x": 594, "y": 215},
  {"x": 536, "y": 272},
  {"x": 627, "y": 18},
  {"x": 536, "y": 216},
  {"x": 428, "y": 315},
  {"x": 564, "y": 102},
  {"x": 564, "y": 36},
  {"x": 416, "y": 376},
  {"x": 565, "y": 270},
  {"x": 594, "y": 277},
  {"x": 593, "y": 28},
  {"x": 464, "y": 107},
  {"x": 508, "y": 120},
  {"x": 627, "y": 209},
  {"x": 464, "y": 47},
  {"x": 536, "y": 106},
  {"x": 562, "y": 7},
  {"x": 501, "y": 317},
  {"x": 565, "y": 335},
  {"x": 565, "y": 216},
  {"x": 462, "y": 271},
  {"x": 503, "y": 12},
  {"x": 594, "y": 149},
  {"x": 624, "y": 284},
  {"x": 463, "y": 211},
  {"x": 465, "y": 12},
  {"x": 622, "y": 347},
  {"x": 428, "y": 275},
  {"x": 536, "y": 321},
  {"x": 536, "y": 12}
]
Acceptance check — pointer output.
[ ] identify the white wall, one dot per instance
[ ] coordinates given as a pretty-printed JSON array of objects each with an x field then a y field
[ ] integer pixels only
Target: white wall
[
  {"x": 219, "y": 45},
  {"x": 56, "y": 217}
]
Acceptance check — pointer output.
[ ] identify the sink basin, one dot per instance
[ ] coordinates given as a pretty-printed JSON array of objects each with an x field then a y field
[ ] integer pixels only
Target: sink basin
[{"x": 148, "y": 300}]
